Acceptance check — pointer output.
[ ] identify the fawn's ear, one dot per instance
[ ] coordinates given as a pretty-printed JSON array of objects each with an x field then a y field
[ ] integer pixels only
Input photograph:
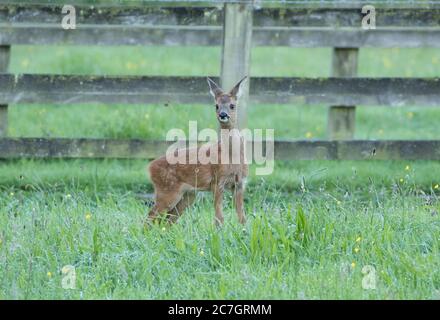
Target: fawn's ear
[
  {"x": 237, "y": 90},
  {"x": 214, "y": 89}
]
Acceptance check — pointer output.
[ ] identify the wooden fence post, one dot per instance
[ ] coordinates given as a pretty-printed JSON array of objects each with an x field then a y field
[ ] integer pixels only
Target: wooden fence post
[
  {"x": 4, "y": 63},
  {"x": 341, "y": 119},
  {"x": 236, "y": 51}
]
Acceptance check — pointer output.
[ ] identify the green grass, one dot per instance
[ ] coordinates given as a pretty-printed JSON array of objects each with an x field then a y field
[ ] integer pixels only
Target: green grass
[
  {"x": 299, "y": 242},
  {"x": 300, "y": 245},
  {"x": 304, "y": 220}
]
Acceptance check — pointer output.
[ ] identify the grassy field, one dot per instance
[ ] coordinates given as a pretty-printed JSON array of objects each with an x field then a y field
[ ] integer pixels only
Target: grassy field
[{"x": 313, "y": 226}]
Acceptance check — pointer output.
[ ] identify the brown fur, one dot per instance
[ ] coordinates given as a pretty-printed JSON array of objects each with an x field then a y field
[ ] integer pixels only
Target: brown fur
[{"x": 175, "y": 184}]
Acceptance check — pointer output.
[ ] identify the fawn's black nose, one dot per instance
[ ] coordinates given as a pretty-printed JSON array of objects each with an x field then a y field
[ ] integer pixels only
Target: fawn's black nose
[{"x": 223, "y": 115}]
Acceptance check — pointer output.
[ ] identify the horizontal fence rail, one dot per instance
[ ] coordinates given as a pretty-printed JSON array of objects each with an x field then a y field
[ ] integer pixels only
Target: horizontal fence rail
[
  {"x": 69, "y": 89},
  {"x": 213, "y": 16},
  {"x": 284, "y": 4},
  {"x": 202, "y": 26},
  {"x": 212, "y": 36},
  {"x": 11, "y": 148}
]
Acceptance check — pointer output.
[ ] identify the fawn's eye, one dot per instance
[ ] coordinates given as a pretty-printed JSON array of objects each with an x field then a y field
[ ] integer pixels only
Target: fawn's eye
[
  {"x": 231, "y": 106},
  {"x": 216, "y": 107}
]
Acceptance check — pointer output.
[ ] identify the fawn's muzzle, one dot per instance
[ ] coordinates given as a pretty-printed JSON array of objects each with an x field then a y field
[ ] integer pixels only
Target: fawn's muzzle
[{"x": 223, "y": 117}]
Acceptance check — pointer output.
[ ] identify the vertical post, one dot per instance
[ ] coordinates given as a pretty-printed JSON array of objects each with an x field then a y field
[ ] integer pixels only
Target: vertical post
[
  {"x": 236, "y": 54},
  {"x": 4, "y": 64},
  {"x": 341, "y": 119}
]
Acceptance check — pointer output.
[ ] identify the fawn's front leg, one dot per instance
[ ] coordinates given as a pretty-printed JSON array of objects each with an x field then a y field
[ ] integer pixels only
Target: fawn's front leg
[
  {"x": 218, "y": 203},
  {"x": 239, "y": 194}
]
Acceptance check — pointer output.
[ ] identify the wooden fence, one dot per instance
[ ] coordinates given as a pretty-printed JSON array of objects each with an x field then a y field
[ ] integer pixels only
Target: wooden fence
[{"x": 237, "y": 26}]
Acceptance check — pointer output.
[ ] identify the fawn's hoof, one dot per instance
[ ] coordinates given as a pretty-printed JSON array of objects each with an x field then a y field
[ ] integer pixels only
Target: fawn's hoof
[
  {"x": 147, "y": 224},
  {"x": 218, "y": 222}
]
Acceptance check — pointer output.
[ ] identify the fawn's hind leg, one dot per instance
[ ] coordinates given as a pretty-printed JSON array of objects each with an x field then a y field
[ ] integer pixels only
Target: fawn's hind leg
[
  {"x": 186, "y": 201},
  {"x": 165, "y": 201}
]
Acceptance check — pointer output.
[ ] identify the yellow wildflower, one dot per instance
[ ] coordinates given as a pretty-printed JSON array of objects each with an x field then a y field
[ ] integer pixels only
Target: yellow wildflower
[
  {"x": 130, "y": 65},
  {"x": 407, "y": 168},
  {"x": 49, "y": 274},
  {"x": 358, "y": 239},
  {"x": 353, "y": 264},
  {"x": 436, "y": 186},
  {"x": 387, "y": 63},
  {"x": 309, "y": 135},
  {"x": 88, "y": 216},
  {"x": 356, "y": 250},
  {"x": 25, "y": 63}
]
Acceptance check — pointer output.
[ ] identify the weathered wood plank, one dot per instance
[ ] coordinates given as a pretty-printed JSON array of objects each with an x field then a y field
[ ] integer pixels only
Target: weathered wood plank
[
  {"x": 4, "y": 65},
  {"x": 151, "y": 25},
  {"x": 113, "y": 15},
  {"x": 69, "y": 89},
  {"x": 341, "y": 119},
  {"x": 212, "y": 36},
  {"x": 79, "y": 148},
  {"x": 11, "y": 148},
  {"x": 213, "y": 16},
  {"x": 236, "y": 52},
  {"x": 345, "y": 17},
  {"x": 346, "y": 37},
  {"x": 344, "y": 4},
  {"x": 358, "y": 150},
  {"x": 111, "y": 35},
  {"x": 285, "y": 4}
]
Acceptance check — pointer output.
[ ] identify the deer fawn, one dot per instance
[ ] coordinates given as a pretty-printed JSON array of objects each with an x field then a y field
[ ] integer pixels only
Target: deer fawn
[{"x": 175, "y": 184}]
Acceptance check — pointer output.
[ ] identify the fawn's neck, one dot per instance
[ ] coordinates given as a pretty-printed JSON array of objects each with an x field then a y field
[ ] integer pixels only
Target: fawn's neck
[
  {"x": 227, "y": 133},
  {"x": 225, "y": 130}
]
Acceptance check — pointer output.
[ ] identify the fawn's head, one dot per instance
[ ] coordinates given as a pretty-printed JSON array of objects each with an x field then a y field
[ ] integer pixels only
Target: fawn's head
[{"x": 226, "y": 103}]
